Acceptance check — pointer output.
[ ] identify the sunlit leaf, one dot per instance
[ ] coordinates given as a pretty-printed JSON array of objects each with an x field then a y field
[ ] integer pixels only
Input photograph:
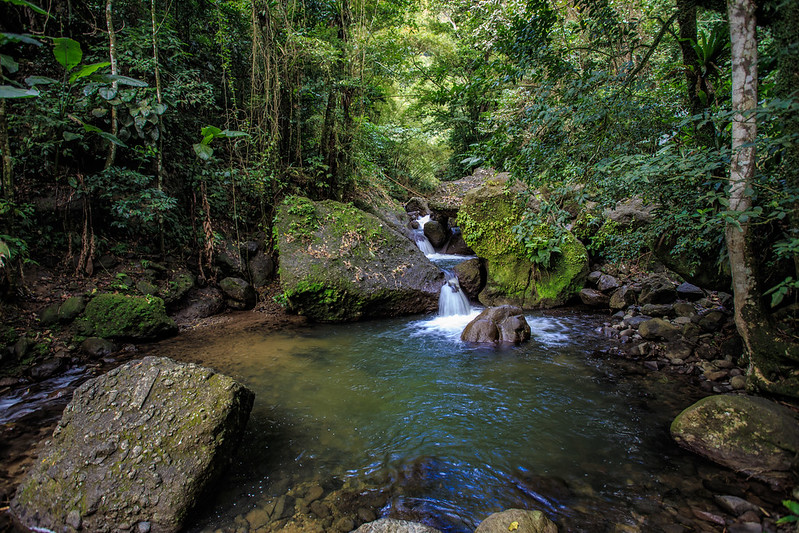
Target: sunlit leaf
[
  {"x": 210, "y": 131},
  {"x": 67, "y": 52},
  {"x": 87, "y": 70}
]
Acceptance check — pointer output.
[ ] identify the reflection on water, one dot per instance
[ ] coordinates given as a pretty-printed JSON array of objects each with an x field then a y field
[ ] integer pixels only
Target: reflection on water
[{"x": 461, "y": 431}]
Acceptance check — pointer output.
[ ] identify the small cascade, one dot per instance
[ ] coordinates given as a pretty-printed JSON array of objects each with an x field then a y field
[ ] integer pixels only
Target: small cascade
[
  {"x": 452, "y": 300},
  {"x": 419, "y": 237}
]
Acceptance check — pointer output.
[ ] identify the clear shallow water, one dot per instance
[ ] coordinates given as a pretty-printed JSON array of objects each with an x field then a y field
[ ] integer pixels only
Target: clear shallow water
[{"x": 453, "y": 432}]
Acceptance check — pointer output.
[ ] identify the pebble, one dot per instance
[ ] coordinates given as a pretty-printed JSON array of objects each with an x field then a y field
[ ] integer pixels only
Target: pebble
[
  {"x": 73, "y": 519},
  {"x": 314, "y": 493},
  {"x": 366, "y": 515},
  {"x": 708, "y": 517},
  {"x": 738, "y": 382},
  {"x": 733, "y": 504},
  {"x": 745, "y": 527}
]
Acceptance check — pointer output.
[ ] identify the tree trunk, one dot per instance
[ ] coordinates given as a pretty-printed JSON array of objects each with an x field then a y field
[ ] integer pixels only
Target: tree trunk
[
  {"x": 112, "y": 52},
  {"x": 771, "y": 357},
  {"x": 8, "y": 163},
  {"x": 159, "y": 162}
]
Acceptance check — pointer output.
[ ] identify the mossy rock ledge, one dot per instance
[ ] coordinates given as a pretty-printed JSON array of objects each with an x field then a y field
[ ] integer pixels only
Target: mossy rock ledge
[
  {"x": 120, "y": 316},
  {"x": 748, "y": 434},
  {"x": 338, "y": 263},
  {"x": 135, "y": 449},
  {"x": 486, "y": 218}
]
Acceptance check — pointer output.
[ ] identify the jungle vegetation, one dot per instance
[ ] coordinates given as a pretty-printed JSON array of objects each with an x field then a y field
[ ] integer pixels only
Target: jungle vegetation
[{"x": 163, "y": 127}]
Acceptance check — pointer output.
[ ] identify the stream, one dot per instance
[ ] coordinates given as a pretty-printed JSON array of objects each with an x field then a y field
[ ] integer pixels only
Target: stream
[{"x": 450, "y": 432}]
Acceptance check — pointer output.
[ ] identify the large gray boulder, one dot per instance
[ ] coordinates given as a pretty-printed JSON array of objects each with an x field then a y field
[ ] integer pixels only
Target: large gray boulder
[
  {"x": 391, "y": 525},
  {"x": 504, "y": 324},
  {"x": 751, "y": 435},
  {"x": 135, "y": 449},
  {"x": 338, "y": 263},
  {"x": 519, "y": 520}
]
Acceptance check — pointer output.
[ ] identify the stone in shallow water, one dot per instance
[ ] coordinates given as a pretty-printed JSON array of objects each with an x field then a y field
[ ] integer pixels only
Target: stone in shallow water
[
  {"x": 751, "y": 435},
  {"x": 138, "y": 444},
  {"x": 519, "y": 520},
  {"x": 390, "y": 525}
]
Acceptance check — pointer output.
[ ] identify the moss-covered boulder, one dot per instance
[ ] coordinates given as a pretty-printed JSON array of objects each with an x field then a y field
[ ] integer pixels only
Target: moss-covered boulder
[
  {"x": 338, "y": 263},
  {"x": 119, "y": 316},
  {"x": 487, "y": 218},
  {"x": 135, "y": 449},
  {"x": 751, "y": 435},
  {"x": 71, "y": 309}
]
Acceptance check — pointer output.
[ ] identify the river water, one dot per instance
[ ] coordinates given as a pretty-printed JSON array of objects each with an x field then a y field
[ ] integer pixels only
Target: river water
[{"x": 450, "y": 432}]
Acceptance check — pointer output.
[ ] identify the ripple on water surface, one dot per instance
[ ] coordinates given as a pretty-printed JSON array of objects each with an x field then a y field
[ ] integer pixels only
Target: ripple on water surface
[{"x": 454, "y": 430}]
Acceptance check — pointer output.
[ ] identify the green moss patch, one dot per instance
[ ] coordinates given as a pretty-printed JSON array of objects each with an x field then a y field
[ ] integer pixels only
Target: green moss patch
[{"x": 119, "y": 316}]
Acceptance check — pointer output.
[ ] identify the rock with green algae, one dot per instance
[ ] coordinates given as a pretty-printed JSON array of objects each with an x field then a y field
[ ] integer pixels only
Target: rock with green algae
[
  {"x": 136, "y": 447},
  {"x": 518, "y": 520},
  {"x": 748, "y": 434},
  {"x": 338, "y": 263},
  {"x": 486, "y": 218},
  {"x": 119, "y": 316}
]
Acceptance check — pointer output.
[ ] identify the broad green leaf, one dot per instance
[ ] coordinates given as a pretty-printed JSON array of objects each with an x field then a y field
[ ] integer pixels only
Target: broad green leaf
[
  {"x": 99, "y": 112},
  {"x": 87, "y": 70},
  {"x": 210, "y": 131},
  {"x": 791, "y": 505},
  {"x": 69, "y": 136},
  {"x": 67, "y": 52},
  {"x": 112, "y": 138},
  {"x": 27, "y": 4},
  {"x": 7, "y": 91},
  {"x": 121, "y": 80},
  {"x": 203, "y": 151},
  {"x": 39, "y": 80},
  {"x": 230, "y": 134},
  {"x": 91, "y": 129},
  {"x": 9, "y": 63},
  {"x": 160, "y": 108},
  {"x": 107, "y": 92},
  {"x": 20, "y": 38}
]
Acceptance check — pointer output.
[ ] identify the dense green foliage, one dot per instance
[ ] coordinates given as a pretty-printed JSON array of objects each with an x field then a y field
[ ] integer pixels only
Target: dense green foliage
[{"x": 173, "y": 126}]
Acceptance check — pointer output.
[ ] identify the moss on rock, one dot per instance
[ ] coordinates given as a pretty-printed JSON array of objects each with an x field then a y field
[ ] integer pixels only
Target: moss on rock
[
  {"x": 487, "y": 218},
  {"x": 752, "y": 435},
  {"x": 119, "y": 316},
  {"x": 338, "y": 263}
]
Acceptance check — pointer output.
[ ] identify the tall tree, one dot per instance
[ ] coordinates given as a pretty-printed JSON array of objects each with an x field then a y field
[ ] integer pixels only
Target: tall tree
[{"x": 767, "y": 349}]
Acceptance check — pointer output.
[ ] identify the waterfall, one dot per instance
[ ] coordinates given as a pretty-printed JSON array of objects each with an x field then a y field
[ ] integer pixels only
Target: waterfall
[
  {"x": 419, "y": 237},
  {"x": 452, "y": 300}
]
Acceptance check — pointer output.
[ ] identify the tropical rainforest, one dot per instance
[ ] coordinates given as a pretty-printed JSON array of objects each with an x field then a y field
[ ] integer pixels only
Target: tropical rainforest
[
  {"x": 170, "y": 132},
  {"x": 161, "y": 128}
]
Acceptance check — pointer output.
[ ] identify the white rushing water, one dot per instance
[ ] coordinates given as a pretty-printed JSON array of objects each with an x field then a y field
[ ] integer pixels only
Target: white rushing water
[
  {"x": 452, "y": 300},
  {"x": 419, "y": 237}
]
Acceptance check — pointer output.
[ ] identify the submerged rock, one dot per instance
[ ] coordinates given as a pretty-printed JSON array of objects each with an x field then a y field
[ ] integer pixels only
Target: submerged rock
[
  {"x": 391, "y": 525},
  {"x": 519, "y": 520},
  {"x": 338, "y": 263},
  {"x": 487, "y": 218},
  {"x": 504, "y": 324},
  {"x": 751, "y": 435},
  {"x": 137, "y": 445}
]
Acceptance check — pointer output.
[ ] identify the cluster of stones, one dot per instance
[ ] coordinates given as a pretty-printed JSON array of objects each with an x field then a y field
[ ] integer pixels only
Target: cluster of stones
[
  {"x": 323, "y": 508},
  {"x": 671, "y": 326}
]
